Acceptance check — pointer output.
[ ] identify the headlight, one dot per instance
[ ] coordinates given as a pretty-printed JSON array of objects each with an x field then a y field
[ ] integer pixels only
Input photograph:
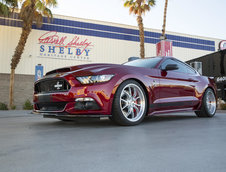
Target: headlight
[{"x": 94, "y": 79}]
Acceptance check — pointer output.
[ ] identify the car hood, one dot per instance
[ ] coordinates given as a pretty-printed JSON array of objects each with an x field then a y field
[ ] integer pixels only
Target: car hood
[{"x": 88, "y": 69}]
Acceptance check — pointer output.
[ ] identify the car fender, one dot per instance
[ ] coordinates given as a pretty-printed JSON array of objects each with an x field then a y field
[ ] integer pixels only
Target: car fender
[{"x": 142, "y": 80}]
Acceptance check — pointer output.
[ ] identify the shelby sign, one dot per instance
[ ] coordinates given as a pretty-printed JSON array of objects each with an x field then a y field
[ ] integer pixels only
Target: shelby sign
[{"x": 54, "y": 45}]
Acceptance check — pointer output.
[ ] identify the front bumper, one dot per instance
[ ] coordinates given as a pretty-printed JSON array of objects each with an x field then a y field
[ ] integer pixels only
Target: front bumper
[
  {"x": 66, "y": 102},
  {"x": 58, "y": 102}
]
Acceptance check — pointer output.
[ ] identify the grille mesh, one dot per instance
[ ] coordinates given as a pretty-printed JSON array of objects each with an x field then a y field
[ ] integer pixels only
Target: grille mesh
[
  {"x": 51, "y": 85},
  {"x": 51, "y": 106}
]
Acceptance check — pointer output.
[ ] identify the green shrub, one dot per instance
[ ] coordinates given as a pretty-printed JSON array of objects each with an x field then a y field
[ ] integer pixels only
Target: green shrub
[
  {"x": 3, "y": 106},
  {"x": 28, "y": 105},
  {"x": 13, "y": 107},
  {"x": 223, "y": 106}
]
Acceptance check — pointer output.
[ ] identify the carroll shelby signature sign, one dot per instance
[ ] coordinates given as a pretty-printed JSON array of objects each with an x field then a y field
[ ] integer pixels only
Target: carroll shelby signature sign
[{"x": 58, "y": 45}]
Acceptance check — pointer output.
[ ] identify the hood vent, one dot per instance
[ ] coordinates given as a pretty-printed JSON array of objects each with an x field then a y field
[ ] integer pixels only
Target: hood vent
[{"x": 62, "y": 70}]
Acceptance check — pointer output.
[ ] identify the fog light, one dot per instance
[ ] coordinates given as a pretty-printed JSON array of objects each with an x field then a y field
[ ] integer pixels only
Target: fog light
[
  {"x": 87, "y": 99},
  {"x": 86, "y": 104}
]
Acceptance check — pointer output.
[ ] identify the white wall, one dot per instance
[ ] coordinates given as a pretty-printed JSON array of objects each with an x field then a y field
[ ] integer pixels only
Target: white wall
[{"x": 104, "y": 50}]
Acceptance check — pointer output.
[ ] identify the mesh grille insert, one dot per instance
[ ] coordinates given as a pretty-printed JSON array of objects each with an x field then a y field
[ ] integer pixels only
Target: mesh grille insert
[
  {"x": 52, "y": 106},
  {"x": 52, "y": 85}
]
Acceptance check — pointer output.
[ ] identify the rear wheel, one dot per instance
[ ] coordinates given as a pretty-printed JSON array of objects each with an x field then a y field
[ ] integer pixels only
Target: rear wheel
[
  {"x": 209, "y": 104},
  {"x": 130, "y": 104}
]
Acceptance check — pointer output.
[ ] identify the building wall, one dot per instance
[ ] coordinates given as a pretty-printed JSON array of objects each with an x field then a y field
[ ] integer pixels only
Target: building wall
[
  {"x": 98, "y": 42},
  {"x": 23, "y": 89},
  {"x": 214, "y": 65}
]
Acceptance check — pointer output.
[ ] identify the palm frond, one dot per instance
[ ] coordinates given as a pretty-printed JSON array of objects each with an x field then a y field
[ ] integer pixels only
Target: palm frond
[
  {"x": 4, "y": 9},
  {"x": 47, "y": 13},
  {"x": 146, "y": 7},
  {"x": 139, "y": 7},
  {"x": 11, "y": 3},
  {"x": 39, "y": 6},
  {"x": 51, "y": 3},
  {"x": 36, "y": 13},
  {"x": 7, "y": 7},
  {"x": 128, "y": 3},
  {"x": 25, "y": 4},
  {"x": 151, "y": 3},
  {"x": 38, "y": 19}
]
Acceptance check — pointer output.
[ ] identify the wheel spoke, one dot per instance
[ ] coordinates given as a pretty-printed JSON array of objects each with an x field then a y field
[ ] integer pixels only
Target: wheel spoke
[
  {"x": 210, "y": 107},
  {"x": 135, "y": 93},
  {"x": 211, "y": 102},
  {"x": 124, "y": 107},
  {"x": 136, "y": 108},
  {"x": 129, "y": 112},
  {"x": 132, "y": 113},
  {"x": 124, "y": 101},
  {"x": 126, "y": 114},
  {"x": 137, "y": 98},
  {"x": 136, "y": 104},
  {"x": 125, "y": 92},
  {"x": 130, "y": 91}
]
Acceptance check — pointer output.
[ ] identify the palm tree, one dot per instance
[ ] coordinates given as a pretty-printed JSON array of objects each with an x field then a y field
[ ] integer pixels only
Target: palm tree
[
  {"x": 164, "y": 21},
  {"x": 7, "y": 6},
  {"x": 31, "y": 11},
  {"x": 139, "y": 7}
]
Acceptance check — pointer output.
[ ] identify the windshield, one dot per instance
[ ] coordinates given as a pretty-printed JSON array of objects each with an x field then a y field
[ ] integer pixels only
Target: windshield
[{"x": 148, "y": 63}]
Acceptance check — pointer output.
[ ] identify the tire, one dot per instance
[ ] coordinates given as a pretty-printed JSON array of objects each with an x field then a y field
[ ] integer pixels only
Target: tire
[
  {"x": 129, "y": 104},
  {"x": 209, "y": 104}
]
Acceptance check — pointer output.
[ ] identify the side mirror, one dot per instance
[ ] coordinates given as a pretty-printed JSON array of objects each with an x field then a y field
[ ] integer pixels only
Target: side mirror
[
  {"x": 171, "y": 67},
  {"x": 132, "y": 58}
]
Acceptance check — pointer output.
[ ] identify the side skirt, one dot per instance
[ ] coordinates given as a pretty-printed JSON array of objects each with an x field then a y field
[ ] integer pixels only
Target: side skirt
[{"x": 171, "y": 111}]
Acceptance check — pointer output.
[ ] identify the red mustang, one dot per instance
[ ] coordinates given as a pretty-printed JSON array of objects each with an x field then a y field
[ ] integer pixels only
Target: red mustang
[{"x": 125, "y": 93}]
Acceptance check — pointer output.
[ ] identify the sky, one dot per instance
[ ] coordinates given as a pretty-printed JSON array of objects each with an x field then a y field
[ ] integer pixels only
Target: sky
[{"x": 194, "y": 17}]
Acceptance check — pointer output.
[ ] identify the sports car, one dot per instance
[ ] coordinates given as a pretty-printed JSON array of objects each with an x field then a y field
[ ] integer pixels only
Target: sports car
[{"x": 125, "y": 93}]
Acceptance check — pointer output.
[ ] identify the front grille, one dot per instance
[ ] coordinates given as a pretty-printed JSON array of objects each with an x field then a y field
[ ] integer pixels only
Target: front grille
[
  {"x": 51, "y": 85},
  {"x": 52, "y": 106}
]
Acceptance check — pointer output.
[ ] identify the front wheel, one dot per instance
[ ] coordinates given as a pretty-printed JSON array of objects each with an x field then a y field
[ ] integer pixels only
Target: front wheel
[
  {"x": 209, "y": 104},
  {"x": 130, "y": 104}
]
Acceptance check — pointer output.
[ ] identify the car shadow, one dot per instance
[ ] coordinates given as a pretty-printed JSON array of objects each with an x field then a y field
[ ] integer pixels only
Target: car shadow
[
  {"x": 167, "y": 117},
  {"x": 86, "y": 122},
  {"x": 107, "y": 123}
]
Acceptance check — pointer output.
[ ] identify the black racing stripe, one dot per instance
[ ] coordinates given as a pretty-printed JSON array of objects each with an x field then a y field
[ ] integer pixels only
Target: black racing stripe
[{"x": 170, "y": 104}]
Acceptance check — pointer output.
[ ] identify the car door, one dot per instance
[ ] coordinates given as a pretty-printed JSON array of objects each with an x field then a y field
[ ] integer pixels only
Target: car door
[{"x": 177, "y": 87}]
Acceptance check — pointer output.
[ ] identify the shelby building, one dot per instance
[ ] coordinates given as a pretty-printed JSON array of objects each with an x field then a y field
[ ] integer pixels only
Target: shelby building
[{"x": 68, "y": 41}]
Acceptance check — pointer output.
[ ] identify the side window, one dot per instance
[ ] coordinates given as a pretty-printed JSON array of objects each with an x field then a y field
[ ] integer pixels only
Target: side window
[
  {"x": 185, "y": 68},
  {"x": 165, "y": 63},
  {"x": 191, "y": 71},
  {"x": 182, "y": 68}
]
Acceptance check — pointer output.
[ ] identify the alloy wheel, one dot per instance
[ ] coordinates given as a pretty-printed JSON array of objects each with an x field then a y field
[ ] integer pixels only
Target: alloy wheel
[
  {"x": 132, "y": 102},
  {"x": 211, "y": 102}
]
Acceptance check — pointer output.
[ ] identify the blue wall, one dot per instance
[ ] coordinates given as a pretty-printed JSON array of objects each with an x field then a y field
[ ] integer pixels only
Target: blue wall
[{"x": 112, "y": 32}]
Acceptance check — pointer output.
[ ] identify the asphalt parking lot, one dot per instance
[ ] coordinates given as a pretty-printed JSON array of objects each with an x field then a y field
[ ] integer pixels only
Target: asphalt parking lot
[{"x": 175, "y": 143}]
